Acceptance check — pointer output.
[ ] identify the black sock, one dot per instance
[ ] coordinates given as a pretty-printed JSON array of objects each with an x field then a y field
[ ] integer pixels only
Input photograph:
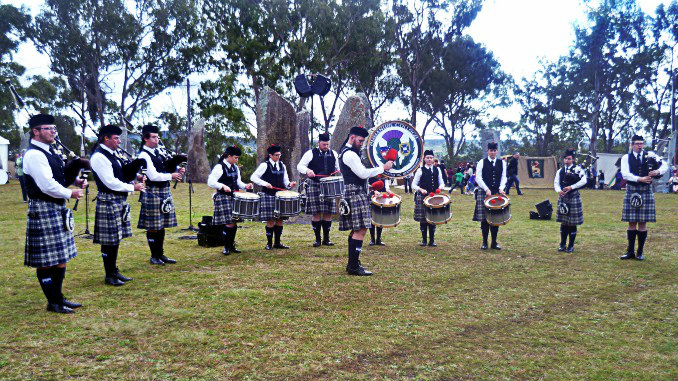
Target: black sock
[
  {"x": 152, "y": 238},
  {"x": 564, "y": 232},
  {"x": 316, "y": 229},
  {"x": 631, "y": 237},
  {"x": 642, "y": 235},
  {"x": 46, "y": 281},
  {"x": 431, "y": 232},
  {"x": 573, "y": 235},
  {"x": 423, "y": 227},
  {"x": 160, "y": 243},
  {"x": 493, "y": 231},
  {"x": 352, "y": 259},
  {"x": 277, "y": 232},
  {"x": 58, "y": 275},
  {"x": 234, "y": 231},
  {"x": 228, "y": 234},
  {"x": 269, "y": 235},
  {"x": 485, "y": 229},
  {"x": 327, "y": 225},
  {"x": 357, "y": 248},
  {"x": 373, "y": 235},
  {"x": 109, "y": 255},
  {"x": 379, "y": 230}
]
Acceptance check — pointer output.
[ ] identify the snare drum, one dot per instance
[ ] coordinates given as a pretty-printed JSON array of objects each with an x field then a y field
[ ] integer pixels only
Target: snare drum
[
  {"x": 497, "y": 210},
  {"x": 331, "y": 187},
  {"x": 287, "y": 204},
  {"x": 385, "y": 211},
  {"x": 438, "y": 209},
  {"x": 245, "y": 205}
]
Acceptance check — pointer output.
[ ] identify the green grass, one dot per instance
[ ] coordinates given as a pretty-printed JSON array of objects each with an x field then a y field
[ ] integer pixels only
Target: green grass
[{"x": 449, "y": 313}]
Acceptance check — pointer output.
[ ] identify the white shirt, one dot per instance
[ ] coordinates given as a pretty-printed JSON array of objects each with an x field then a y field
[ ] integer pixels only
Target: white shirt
[
  {"x": 104, "y": 170},
  {"x": 302, "y": 167},
  {"x": 151, "y": 173},
  {"x": 626, "y": 172},
  {"x": 37, "y": 166},
  {"x": 217, "y": 171},
  {"x": 578, "y": 170},
  {"x": 352, "y": 160},
  {"x": 479, "y": 176},
  {"x": 417, "y": 178},
  {"x": 256, "y": 176}
]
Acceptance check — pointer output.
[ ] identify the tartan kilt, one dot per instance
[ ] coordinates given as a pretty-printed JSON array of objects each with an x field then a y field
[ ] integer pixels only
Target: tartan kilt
[
  {"x": 223, "y": 209},
  {"x": 266, "y": 207},
  {"x": 150, "y": 216},
  {"x": 313, "y": 203},
  {"x": 419, "y": 207},
  {"x": 48, "y": 243},
  {"x": 646, "y": 212},
  {"x": 359, "y": 202},
  {"x": 479, "y": 211},
  {"x": 573, "y": 201},
  {"x": 109, "y": 227}
]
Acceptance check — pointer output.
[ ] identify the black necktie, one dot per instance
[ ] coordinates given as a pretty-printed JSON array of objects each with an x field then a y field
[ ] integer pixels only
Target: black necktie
[{"x": 155, "y": 152}]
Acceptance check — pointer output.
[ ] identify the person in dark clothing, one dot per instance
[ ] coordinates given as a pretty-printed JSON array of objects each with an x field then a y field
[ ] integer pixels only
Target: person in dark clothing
[
  {"x": 601, "y": 179},
  {"x": 443, "y": 170},
  {"x": 512, "y": 174}
]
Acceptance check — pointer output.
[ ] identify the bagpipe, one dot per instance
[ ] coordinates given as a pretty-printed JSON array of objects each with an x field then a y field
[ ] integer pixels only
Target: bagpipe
[{"x": 651, "y": 163}]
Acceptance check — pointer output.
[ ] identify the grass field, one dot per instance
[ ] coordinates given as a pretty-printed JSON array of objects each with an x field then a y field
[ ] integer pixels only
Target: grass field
[{"x": 454, "y": 312}]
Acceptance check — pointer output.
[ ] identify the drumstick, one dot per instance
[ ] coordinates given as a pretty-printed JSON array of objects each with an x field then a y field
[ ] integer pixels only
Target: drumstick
[
  {"x": 331, "y": 174},
  {"x": 276, "y": 188}
]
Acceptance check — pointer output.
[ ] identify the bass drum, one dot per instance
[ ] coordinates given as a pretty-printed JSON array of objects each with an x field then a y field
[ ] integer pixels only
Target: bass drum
[
  {"x": 401, "y": 137},
  {"x": 3, "y": 177}
]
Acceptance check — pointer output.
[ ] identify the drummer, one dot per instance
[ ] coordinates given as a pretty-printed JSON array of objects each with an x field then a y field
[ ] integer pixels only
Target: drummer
[
  {"x": 428, "y": 179},
  {"x": 271, "y": 175},
  {"x": 491, "y": 179},
  {"x": 359, "y": 218},
  {"x": 375, "y": 231},
  {"x": 567, "y": 182},
  {"x": 318, "y": 163},
  {"x": 225, "y": 178}
]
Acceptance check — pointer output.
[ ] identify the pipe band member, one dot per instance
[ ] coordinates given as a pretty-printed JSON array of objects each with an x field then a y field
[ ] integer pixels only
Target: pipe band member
[
  {"x": 428, "y": 179},
  {"x": 638, "y": 169},
  {"x": 272, "y": 174},
  {"x": 491, "y": 179},
  {"x": 157, "y": 194},
  {"x": 319, "y": 161},
  {"x": 225, "y": 178},
  {"x": 111, "y": 220},
  {"x": 570, "y": 212},
  {"x": 49, "y": 237},
  {"x": 355, "y": 194}
]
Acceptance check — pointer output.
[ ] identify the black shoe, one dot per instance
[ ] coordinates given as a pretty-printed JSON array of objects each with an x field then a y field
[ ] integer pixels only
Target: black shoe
[
  {"x": 569, "y": 249},
  {"x": 628, "y": 255},
  {"x": 120, "y": 276},
  {"x": 380, "y": 243},
  {"x": 58, "y": 308},
  {"x": 640, "y": 256},
  {"x": 561, "y": 248},
  {"x": 423, "y": 243},
  {"x": 432, "y": 244},
  {"x": 226, "y": 251},
  {"x": 327, "y": 242},
  {"x": 113, "y": 281},
  {"x": 234, "y": 250},
  {"x": 316, "y": 244},
  {"x": 70, "y": 304},
  {"x": 484, "y": 246},
  {"x": 371, "y": 243},
  {"x": 268, "y": 247},
  {"x": 157, "y": 261},
  {"x": 495, "y": 246},
  {"x": 359, "y": 271},
  {"x": 167, "y": 260},
  {"x": 520, "y": 193},
  {"x": 280, "y": 246}
]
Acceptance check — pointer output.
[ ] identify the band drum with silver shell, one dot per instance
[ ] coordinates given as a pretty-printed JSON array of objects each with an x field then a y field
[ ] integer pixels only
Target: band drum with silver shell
[
  {"x": 287, "y": 204},
  {"x": 437, "y": 209},
  {"x": 497, "y": 210},
  {"x": 245, "y": 206},
  {"x": 331, "y": 186},
  {"x": 385, "y": 210}
]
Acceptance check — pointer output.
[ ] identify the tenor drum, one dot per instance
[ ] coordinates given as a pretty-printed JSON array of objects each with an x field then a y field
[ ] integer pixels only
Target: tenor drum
[
  {"x": 331, "y": 186},
  {"x": 245, "y": 205},
  {"x": 385, "y": 210},
  {"x": 287, "y": 204},
  {"x": 497, "y": 210},
  {"x": 438, "y": 209}
]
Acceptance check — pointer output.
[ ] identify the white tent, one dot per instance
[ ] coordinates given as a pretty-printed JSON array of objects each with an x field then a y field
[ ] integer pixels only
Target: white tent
[
  {"x": 4, "y": 154},
  {"x": 606, "y": 163}
]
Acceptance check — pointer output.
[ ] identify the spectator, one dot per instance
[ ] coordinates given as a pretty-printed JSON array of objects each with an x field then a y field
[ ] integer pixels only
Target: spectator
[
  {"x": 512, "y": 174},
  {"x": 601, "y": 179},
  {"x": 19, "y": 163},
  {"x": 441, "y": 166}
]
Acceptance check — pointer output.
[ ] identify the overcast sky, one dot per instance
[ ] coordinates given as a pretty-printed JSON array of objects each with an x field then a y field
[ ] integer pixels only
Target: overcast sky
[{"x": 518, "y": 32}]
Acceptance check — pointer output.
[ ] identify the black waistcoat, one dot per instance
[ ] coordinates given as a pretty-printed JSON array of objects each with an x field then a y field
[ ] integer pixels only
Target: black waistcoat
[
  {"x": 229, "y": 178},
  {"x": 349, "y": 176},
  {"x": 636, "y": 166},
  {"x": 117, "y": 172},
  {"x": 429, "y": 179},
  {"x": 323, "y": 163},
  {"x": 57, "y": 166},
  {"x": 568, "y": 178},
  {"x": 274, "y": 177},
  {"x": 159, "y": 167},
  {"x": 492, "y": 176}
]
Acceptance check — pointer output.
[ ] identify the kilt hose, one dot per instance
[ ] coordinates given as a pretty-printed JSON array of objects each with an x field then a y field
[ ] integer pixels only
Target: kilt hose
[
  {"x": 360, "y": 216},
  {"x": 223, "y": 209},
  {"x": 150, "y": 216},
  {"x": 419, "y": 207},
  {"x": 266, "y": 207},
  {"x": 479, "y": 211},
  {"x": 109, "y": 226},
  {"x": 644, "y": 213},
  {"x": 313, "y": 203},
  {"x": 576, "y": 211},
  {"x": 48, "y": 243}
]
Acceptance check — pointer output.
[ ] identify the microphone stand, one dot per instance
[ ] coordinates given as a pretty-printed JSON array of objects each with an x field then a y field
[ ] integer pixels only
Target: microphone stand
[
  {"x": 190, "y": 227},
  {"x": 86, "y": 234}
]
